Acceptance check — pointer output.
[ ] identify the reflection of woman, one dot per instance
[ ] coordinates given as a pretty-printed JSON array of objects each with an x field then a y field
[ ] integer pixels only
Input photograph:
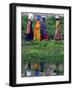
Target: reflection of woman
[
  {"x": 29, "y": 32},
  {"x": 36, "y": 69},
  {"x": 42, "y": 65},
  {"x": 28, "y": 72},
  {"x": 36, "y": 31}
]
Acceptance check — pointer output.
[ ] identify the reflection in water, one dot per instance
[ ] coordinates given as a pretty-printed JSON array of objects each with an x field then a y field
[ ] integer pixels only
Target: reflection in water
[{"x": 42, "y": 69}]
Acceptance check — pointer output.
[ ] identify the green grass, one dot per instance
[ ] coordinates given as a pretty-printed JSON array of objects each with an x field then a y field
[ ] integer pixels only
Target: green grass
[{"x": 47, "y": 51}]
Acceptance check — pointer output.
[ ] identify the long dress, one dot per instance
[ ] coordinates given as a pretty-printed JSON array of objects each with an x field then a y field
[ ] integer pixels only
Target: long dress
[
  {"x": 29, "y": 32},
  {"x": 58, "y": 30},
  {"x": 36, "y": 31},
  {"x": 43, "y": 31}
]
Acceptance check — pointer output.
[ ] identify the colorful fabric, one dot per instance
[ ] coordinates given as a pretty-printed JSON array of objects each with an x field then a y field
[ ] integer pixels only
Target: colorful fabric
[
  {"x": 58, "y": 35},
  {"x": 29, "y": 32},
  {"x": 36, "y": 31},
  {"x": 43, "y": 31},
  {"x": 58, "y": 30},
  {"x": 28, "y": 26}
]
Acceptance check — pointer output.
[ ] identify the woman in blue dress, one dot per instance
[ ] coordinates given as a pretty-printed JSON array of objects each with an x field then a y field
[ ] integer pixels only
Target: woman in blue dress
[{"x": 43, "y": 28}]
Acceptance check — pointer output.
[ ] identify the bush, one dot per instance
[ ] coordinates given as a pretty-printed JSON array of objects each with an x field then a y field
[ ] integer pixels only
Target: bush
[{"x": 51, "y": 51}]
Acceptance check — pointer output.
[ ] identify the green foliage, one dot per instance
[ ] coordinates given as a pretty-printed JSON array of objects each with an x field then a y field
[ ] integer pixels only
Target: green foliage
[
  {"x": 33, "y": 23},
  {"x": 50, "y": 25},
  {"x": 50, "y": 51},
  {"x": 62, "y": 25},
  {"x": 24, "y": 23}
]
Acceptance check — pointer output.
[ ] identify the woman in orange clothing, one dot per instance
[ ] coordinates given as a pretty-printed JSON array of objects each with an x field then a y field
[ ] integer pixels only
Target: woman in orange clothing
[{"x": 36, "y": 31}]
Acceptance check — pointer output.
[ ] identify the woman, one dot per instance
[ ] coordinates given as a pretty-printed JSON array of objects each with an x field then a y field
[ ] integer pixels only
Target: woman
[
  {"x": 29, "y": 32},
  {"x": 36, "y": 31},
  {"x": 43, "y": 29}
]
